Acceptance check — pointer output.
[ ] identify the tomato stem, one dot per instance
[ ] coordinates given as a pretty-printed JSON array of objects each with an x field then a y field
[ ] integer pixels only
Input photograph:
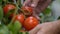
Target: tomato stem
[
  {"x": 23, "y": 12},
  {"x": 14, "y": 12}
]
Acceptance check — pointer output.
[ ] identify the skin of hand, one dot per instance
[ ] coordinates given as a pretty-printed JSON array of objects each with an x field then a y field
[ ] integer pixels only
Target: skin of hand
[
  {"x": 47, "y": 28},
  {"x": 37, "y": 5}
]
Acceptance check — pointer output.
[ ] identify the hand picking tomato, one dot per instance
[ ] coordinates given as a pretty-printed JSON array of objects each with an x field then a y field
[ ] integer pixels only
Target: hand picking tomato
[
  {"x": 30, "y": 23},
  {"x": 20, "y": 18},
  {"x": 27, "y": 10},
  {"x": 8, "y": 7}
]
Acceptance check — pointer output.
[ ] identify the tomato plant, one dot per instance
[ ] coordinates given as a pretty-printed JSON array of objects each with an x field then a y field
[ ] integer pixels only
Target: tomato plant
[
  {"x": 30, "y": 23},
  {"x": 7, "y": 8},
  {"x": 27, "y": 10},
  {"x": 22, "y": 31},
  {"x": 12, "y": 17},
  {"x": 20, "y": 18}
]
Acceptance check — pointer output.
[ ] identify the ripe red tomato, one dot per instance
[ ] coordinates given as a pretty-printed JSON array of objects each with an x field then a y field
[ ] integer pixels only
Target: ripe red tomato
[
  {"x": 30, "y": 23},
  {"x": 27, "y": 10},
  {"x": 8, "y": 7},
  {"x": 20, "y": 18}
]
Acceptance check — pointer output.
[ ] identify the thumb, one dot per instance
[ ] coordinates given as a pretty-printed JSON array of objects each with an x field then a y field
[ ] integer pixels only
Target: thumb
[
  {"x": 34, "y": 3},
  {"x": 40, "y": 32},
  {"x": 35, "y": 30}
]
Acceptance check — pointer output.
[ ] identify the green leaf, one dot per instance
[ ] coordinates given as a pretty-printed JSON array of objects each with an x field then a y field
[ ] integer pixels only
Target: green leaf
[
  {"x": 1, "y": 12},
  {"x": 46, "y": 11},
  {"x": 15, "y": 27},
  {"x": 0, "y": 1},
  {"x": 4, "y": 29}
]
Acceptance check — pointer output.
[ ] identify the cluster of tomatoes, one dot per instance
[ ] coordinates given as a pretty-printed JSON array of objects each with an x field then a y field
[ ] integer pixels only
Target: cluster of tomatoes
[{"x": 25, "y": 18}]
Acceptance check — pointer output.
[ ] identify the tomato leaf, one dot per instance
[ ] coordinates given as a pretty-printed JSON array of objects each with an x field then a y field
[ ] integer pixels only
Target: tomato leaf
[
  {"x": 0, "y": 1},
  {"x": 47, "y": 11},
  {"x": 4, "y": 29},
  {"x": 15, "y": 27},
  {"x": 1, "y": 12}
]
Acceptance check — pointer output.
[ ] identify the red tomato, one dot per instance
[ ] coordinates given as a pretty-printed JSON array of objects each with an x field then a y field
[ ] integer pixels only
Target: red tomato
[
  {"x": 20, "y": 18},
  {"x": 8, "y": 7},
  {"x": 27, "y": 10},
  {"x": 30, "y": 23}
]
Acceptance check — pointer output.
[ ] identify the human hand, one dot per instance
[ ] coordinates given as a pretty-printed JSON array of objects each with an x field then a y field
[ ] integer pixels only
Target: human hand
[
  {"x": 37, "y": 5},
  {"x": 47, "y": 28}
]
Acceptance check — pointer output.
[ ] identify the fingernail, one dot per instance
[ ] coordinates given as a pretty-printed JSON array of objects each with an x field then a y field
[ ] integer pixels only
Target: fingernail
[{"x": 33, "y": 5}]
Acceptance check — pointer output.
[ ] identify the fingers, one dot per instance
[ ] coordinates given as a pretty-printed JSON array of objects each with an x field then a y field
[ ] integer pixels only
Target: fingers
[
  {"x": 40, "y": 32},
  {"x": 37, "y": 17},
  {"x": 44, "y": 5},
  {"x": 34, "y": 3},
  {"x": 35, "y": 30}
]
